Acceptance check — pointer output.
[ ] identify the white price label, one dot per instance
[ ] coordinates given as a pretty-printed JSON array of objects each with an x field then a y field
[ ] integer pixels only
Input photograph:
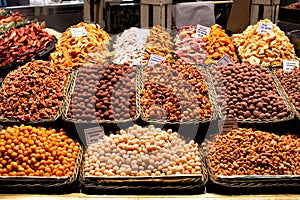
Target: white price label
[
  {"x": 227, "y": 125},
  {"x": 154, "y": 59},
  {"x": 288, "y": 65},
  {"x": 93, "y": 135},
  {"x": 202, "y": 31},
  {"x": 78, "y": 32},
  {"x": 264, "y": 28},
  {"x": 225, "y": 60}
]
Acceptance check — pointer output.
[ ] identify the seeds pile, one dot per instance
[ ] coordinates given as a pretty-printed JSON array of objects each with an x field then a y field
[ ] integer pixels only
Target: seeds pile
[
  {"x": 247, "y": 152},
  {"x": 290, "y": 82},
  {"x": 268, "y": 49},
  {"x": 32, "y": 92},
  {"x": 104, "y": 92},
  {"x": 142, "y": 152},
  {"x": 248, "y": 92},
  {"x": 218, "y": 43},
  {"x": 175, "y": 91},
  {"x": 36, "y": 151},
  {"x": 189, "y": 47}
]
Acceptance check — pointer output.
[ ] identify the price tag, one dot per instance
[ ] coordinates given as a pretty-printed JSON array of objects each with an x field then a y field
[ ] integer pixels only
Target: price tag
[
  {"x": 154, "y": 59},
  {"x": 78, "y": 32},
  {"x": 227, "y": 125},
  {"x": 225, "y": 60},
  {"x": 93, "y": 135},
  {"x": 288, "y": 65},
  {"x": 264, "y": 28},
  {"x": 202, "y": 31}
]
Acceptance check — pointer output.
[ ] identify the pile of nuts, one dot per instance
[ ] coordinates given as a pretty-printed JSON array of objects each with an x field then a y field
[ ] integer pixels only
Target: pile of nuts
[
  {"x": 290, "y": 82},
  {"x": 175, "y": 91},
  {"x": 31, "y": 38},
  {"x": 248, "y": 91},
  {"x": 32, "y": 92},
  {"x": 159, "y": 43},
  {"x": 247, "y": 152},
  {"x": 129, "y": 47},
  {"x": 189, "y": 47},
  {"x": 104, "y": 91},
  {"x": 141, "y": 151},
  {"x": 37, "y": 151},
  {"x": 268, "y": 49},
  {"x": 71, "y": 51},
  {"x": 218, "y": 43}
]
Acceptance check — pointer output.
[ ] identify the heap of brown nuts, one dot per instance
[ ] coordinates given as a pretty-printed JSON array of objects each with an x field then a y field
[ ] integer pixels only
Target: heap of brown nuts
[
  {"x": 244, "y": 151},
  {"x": 248, "y": 91},
  {"x": 32, "y": 92},
  {"x": 37, "y": 151},
  {"x": 175, "y": 91},
  {"x": 290, "y": 82},
  {"x": 104, "y": 91},
  {"x": 141, "y": 151}
]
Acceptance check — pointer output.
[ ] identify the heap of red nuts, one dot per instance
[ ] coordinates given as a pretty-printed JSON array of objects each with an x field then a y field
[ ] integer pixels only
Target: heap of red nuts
[
  {"x": 16, "y": 42},
  {"x": 244, "y": 151},
  {"x": 103, "y": 91},
  {"x": 176, "y": 90},
  {"x": 290, "y": 82},
  {"x": 248, "y": 91},
  {"x": 32, "y": 92},
  {"x": 37, "y": 151}
]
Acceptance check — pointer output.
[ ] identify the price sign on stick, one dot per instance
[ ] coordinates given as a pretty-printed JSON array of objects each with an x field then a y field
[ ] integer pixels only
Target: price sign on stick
[
  {"x": 225, "y": 60},
  {"x": 227, "y": 125},
  {"x": 93, "y": 135},
  {"x": 154, "y": 59},
  {"x": 78, "y": 32},
  {"x": 288, "y": 65},
  {"x": 264, "y": 28},
  {"x": 202, "y": 31}
]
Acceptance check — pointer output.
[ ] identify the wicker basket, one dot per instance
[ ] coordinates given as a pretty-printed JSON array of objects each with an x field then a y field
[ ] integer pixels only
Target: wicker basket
[
  {"x": 40, "y": 181},
  {"x": 253, "y": 181},
  {"x": 50, "y": 120},
  {"x": 146, "y": 184},
  {"x": 262, "y": 121},
  {"x": 67, "y": 102},
  {"x": 211, "y": 93},
  {"x": 281, "y": 88}
]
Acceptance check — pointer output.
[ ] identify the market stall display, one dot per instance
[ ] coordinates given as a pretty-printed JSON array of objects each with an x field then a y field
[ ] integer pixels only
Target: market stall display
[
  {"x": 159, "y": 43},
  {"x": 218, "y": 43},
  {"x": 33, "y": 93},
  {"x": 20, "y": 45},
  {"x": 248, "y": 93},
  {"x": 251, "y": 158},
  {"x": 76, "y": 42},
  {"x": 9, "y": 19},
  {"x": 37, "y": 156},
  {"x": 174, "y": 92},
  {"x": 129, "y": 46},
  {"x": 264, "y": 46},
  {"x": 145, "y": 156},
  {"x": 103, "y": 92},
  {"x": 189, "y": 47},
  {"x": 289, "y": 80}
]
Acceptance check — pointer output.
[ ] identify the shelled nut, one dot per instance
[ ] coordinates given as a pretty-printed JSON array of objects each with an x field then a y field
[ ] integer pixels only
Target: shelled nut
[{"x": 247, "y": 152}]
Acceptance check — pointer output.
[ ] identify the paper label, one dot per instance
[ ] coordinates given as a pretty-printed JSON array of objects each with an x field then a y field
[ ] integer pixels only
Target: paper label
[
  {"x": 264, "y": 28},
  {"x": 227, "y": 125},
  {"x": 225, "y": 60},
  {"x": 78, "y": 32},
  {"x": 202, "y": 31},
  {"x": 154, "y": 59},
  {"x": 288, "y": 65},
  {"x": 93, "y": 135}
]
